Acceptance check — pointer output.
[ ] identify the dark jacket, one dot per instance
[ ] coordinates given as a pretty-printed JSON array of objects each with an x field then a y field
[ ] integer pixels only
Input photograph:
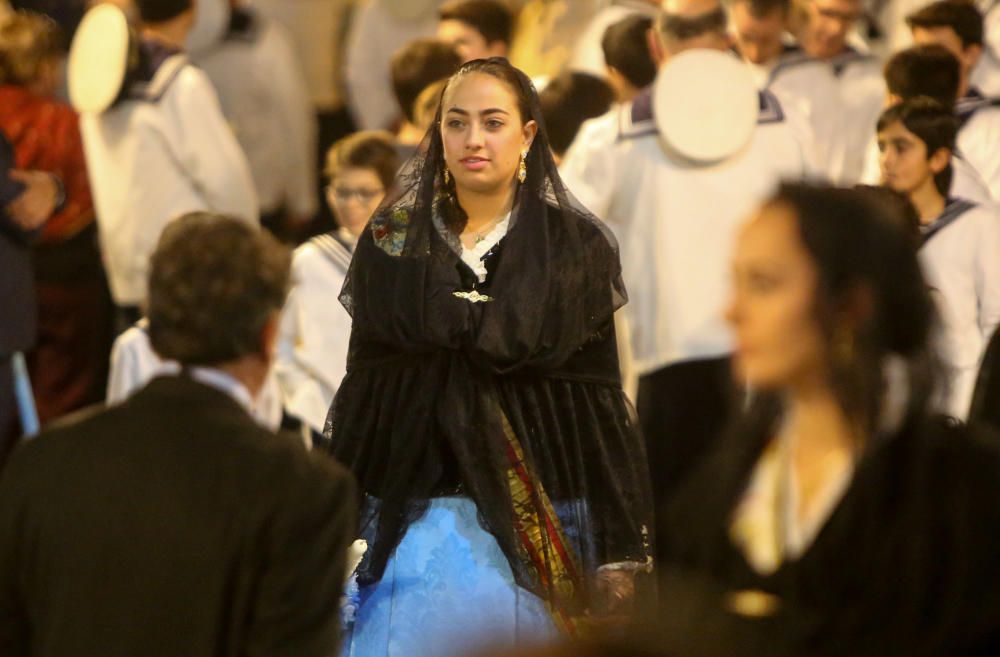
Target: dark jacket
[
  {"x": 17, "y": 285},
  {"x": 172, "y": 525}
]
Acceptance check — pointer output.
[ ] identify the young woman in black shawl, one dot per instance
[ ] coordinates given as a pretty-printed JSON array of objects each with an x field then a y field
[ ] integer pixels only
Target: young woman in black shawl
[
  {"x": 841, "y": 516},
  {"x": 483, "y": 390}
]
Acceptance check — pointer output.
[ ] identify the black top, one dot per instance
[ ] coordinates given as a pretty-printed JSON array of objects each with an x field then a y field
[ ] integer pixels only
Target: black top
[
  {"x": 906, "y": 564},
  {"x": 171, "y": 525}
]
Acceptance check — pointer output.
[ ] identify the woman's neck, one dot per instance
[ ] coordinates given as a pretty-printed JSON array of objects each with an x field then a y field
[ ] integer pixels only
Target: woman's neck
[
  {"x": 823, "y": 440},
  {"x": 484, "y": 209},
  {"x": 928, "y": 202}
]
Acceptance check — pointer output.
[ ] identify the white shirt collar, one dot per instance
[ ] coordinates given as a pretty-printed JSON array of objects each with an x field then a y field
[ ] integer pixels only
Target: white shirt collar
[{"x": 226, "y": 383}]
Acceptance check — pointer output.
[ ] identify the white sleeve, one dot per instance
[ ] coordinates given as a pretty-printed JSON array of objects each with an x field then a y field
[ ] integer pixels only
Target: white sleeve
[
  {"x": 977, "y": 144},
  {"x": 871, "y": 169},
  {"x": 133, "y": 364},
  {"x": 589, "y": 168},
  {"x": 301, "y": 393},
  {"x": 988, "y": 273},
  {"x": 298, "y": 123},
  {"x": 210, "y": 153},
  {"x": 370, "y": 97}
]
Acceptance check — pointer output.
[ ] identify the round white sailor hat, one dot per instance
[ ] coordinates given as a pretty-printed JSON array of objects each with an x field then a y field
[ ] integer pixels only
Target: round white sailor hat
[
  {"x": 705, "y": 104},
  {"x": 211, "y": 20},
  {"x": 103, "y": 51}
]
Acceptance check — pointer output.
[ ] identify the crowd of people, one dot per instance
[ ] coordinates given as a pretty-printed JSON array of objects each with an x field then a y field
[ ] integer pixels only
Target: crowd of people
[{"x": 441, "y": 328}]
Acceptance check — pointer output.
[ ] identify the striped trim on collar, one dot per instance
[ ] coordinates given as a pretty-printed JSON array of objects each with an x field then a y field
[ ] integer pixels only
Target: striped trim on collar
[
  {"x": 637, "y": 119},
  {"x": 155, "y": 89},
  {"x": 848, "y": 57},
  {"x": 334, "y": 249},
  {"x": 972, "y": 102},
  {"x": 953, "y": 210}
]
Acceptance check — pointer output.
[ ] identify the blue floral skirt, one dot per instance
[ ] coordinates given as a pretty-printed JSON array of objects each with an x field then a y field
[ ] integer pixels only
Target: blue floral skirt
[{"x": 447, "y": 590}]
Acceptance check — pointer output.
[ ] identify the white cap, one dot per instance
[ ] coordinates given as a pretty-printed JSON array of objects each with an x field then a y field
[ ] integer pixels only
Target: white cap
[
  {"x": 211, "y": 21},
  {"x": 99, "y": 59},
  {"x": 705, "y": 104}
]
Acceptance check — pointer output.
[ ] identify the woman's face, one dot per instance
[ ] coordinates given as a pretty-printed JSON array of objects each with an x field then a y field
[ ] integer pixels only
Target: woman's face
[
  {"x": 483, "y": 133},
  {"x": 779, "y": 342},
  {"x": 354, "y": 194},
  {"x": 903, "y": 159}
]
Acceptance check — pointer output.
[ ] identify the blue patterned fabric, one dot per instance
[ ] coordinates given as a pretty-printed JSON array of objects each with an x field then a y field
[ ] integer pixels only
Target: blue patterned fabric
[{"x": 446, "y": 589}]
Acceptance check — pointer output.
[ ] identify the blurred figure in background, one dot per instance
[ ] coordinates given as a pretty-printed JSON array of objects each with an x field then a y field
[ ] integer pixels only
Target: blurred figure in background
[
  {"x": 545, "y": 34},
  {"x": 675, "y": 217},
  {"x": 629, "y": 66},
  {"x": 27, "y": 200},
  {"x": 251, "y": 62},
  {"x": 588, "y": 55},
  {"x": 415, "y": 67},
  {"x": 164, "y": 149},
  {"x": 68, "y": 364},
  {"x": 567, "y": 101},
  {"x": 933, "y": 72},
  {"x": 957, "y": 26},
  {"x": 823, "y": 28},
  {"x": 315, "y": 330},
  {"x": 379, "y": 29},
  {"x": 838, "y": 471},
  {"x": 803, "y": 84},
  {"x": 477, "y": 29}
]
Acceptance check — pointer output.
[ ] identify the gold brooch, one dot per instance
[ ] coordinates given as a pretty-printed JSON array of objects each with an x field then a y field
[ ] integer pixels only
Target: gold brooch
[{"x": 473, "y": 297}]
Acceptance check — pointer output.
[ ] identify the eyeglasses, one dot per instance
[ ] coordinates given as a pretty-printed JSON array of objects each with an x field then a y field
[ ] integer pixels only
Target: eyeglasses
[{"x": 344, "y": 194}]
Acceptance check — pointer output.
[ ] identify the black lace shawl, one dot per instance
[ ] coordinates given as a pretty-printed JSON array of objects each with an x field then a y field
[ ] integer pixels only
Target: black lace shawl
[{"x": 434, "y": 380}]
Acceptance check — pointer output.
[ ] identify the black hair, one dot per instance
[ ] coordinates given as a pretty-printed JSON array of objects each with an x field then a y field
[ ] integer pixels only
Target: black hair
[
  {"x": 418, "y": 65},
  {"x": 932, "y": 123},
  {"x": 157, "y": 11},
  {"x": 490, "y": 18},
  {"x": 682, "y": 28},
  {"x": 762, "y": 8},
  {"x": 214, "y": 283},
  {"x": 627, "y": 50},
  {"x": 857, "y": 247},
  {"x": 961, "y": 16},
  {"x": 929, "y": 70},
  {"x": 567, "y": 101},
  {"x": 897, "y": 207}
]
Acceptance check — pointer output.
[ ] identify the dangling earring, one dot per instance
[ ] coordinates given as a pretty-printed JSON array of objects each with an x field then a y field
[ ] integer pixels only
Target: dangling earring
[
  {"x": 446, "y": 175},
  {"x": 522, "y": 168}
]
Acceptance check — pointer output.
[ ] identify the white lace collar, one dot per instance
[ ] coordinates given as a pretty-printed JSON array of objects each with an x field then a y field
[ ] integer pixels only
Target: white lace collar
[{"x": 474, "y": 256}]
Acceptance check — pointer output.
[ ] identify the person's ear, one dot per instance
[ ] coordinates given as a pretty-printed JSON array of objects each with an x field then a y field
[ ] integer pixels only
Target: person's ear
[
  {"x": 529, "y": 131},
  {"x": 939, "y": 160},
  {"x": 656, "y": 49},
  {"x": 268, "y": 338},
  {"x": 971, "y": 54}
]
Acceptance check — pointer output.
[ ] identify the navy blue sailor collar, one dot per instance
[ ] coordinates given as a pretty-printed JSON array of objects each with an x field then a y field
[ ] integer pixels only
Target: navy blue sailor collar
[{"x": 954, "y": 209}]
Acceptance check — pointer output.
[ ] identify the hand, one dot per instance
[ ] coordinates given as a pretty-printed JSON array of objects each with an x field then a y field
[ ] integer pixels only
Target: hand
[
  {"x": 616, "y": 592},
  {"x": 36, "y": 204}
]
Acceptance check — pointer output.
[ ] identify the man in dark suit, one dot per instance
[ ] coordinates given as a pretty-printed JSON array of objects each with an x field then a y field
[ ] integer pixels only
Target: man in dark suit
[
  {"x": 27, "y": 200},
  {"x": 173, "y": 524}
]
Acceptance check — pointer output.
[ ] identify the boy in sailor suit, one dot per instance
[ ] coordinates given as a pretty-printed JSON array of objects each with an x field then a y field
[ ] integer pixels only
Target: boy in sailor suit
[
  {"x": 960, "y": 239},
  {"x": 823, "y": 33},
  {"x": 759, "y": 29},
  {"x": 958, "y": 27},
  {"x": 675, "y": 221},
  {"x": 933, "y": 72},
  {"x": 263, "y": 93},
  {"x": 162, "y": 151}
]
